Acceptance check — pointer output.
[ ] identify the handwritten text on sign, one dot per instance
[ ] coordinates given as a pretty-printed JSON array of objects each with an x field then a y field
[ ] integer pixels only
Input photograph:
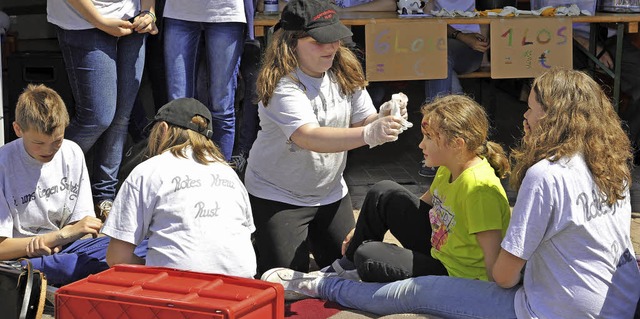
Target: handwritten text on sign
[
  {"x": 406, "y": 51},
  {"x": 522, "y": 48}
]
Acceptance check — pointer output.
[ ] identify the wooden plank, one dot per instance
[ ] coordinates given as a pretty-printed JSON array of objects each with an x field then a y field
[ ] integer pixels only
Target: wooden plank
[{"x": 481, "y": 73}]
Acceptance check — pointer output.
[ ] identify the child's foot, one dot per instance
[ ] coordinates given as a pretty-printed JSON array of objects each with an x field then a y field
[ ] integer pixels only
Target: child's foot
[
  {"x": 297, "y": 285},
  {"x": 336, "y": 270}
]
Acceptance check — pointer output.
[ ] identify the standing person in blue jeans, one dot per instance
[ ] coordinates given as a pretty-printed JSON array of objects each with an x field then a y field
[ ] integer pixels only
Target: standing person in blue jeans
[
  {"x": 465, "y": 49},
  {"x": 249, "y": 67},
  {"x": 569, "y": 229},
  {"x": 222, "y": 24},
  {"x": 102, "y": 44}
]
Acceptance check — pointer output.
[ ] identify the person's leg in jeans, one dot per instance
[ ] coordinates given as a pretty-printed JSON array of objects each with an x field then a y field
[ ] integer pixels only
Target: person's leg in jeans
[
  {"x": 442, "y": 296},
  {"x": 78, "y": 260},
  {"x": 390, "y": 207},
  {"x": 461, "y": 59},
  {"x": 249, "y": 67},
  {"x": 181, "y": 39},
  {"x": 328, "y": 229},
  {"x": 98, "y": 65},
  {"x": 110, "y": 146},
  {"x": 224, "y": 43},
  {"x": 90, "y": 60}
]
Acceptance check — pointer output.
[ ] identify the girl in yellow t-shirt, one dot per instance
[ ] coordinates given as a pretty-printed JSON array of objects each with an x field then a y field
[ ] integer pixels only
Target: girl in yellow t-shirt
[{"x": 455, "y": 228}]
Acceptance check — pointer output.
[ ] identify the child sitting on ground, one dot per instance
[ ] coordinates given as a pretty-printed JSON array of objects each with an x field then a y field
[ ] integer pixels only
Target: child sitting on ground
[
  {"x": 186, "y": 198},
  {"x": 46, "y": 209}
]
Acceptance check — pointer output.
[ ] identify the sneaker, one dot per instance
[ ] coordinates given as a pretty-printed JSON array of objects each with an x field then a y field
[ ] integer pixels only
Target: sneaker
[
  {"x": 336, "y": 270},
  {"x": 297, "y": 285},
  {"x": 239, "y": 162},
  {"x": 426, "y": 171},
  {"x": 103, "y": 208}
]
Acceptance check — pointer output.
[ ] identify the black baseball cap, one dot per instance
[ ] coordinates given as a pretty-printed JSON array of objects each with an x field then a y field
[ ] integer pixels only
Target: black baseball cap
[
  {"x": 318, "y": 18},
  {"x": 180, "y": 111}
]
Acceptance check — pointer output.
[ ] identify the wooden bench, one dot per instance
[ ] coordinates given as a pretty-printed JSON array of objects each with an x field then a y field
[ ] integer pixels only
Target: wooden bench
[{"x": 481, "y": 73}]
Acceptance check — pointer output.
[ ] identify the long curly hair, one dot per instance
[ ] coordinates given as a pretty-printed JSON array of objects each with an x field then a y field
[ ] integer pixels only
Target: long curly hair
[
  {"x": 176, "y": 139},
  {"x": 579, "y": 119},
  {"x": 459, "y": 116},
  {"x": 280, "y": 60}
]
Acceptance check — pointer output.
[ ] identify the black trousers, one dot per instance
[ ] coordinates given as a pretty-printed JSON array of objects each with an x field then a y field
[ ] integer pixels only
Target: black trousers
[
  {"x": 390, "y": 207},
  {"x": 286, "y": 234}
]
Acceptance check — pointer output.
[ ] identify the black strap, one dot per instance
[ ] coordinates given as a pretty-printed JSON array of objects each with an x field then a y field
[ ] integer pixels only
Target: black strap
[{"x": 27, "y": 289}]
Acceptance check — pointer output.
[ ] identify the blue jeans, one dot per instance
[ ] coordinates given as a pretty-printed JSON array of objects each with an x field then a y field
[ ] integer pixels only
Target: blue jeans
[
  {"x": 446, "y": 297},
  {"x": 249, "y": 67},
  {"x": 79, "y": 260},
  {"x": 104, "y": 74},
  {"x": 461, "y": 59},
  {"x": 223, "y": 44}
]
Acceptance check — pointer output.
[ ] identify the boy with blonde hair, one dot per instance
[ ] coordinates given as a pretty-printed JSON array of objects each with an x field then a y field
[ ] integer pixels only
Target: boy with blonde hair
[{"x": 46, "y": 208}]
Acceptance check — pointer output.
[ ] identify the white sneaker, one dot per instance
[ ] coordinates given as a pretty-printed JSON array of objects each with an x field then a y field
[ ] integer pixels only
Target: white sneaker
[
  {"x": 297, "y": 285},
  {"x": 338, "y": 272}
]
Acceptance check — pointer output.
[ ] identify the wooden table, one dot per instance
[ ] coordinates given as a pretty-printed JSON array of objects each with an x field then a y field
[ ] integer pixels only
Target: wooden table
[
  {"x": 623, "y": 22},
  {"x": 263, "y": 21}
]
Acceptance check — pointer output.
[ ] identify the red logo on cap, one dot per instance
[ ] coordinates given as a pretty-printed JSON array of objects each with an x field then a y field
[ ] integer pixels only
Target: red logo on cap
[{"x": 327, "y": 14}]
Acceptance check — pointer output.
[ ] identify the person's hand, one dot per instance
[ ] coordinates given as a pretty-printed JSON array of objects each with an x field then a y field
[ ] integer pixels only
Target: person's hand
[
  {"x": 88, "y": 225},
  {"x": 399, "y": 100},
  {"x": 605, "y": 58},
  {"x": 382, "y": 130},
  {"x": 347, "y": 241},
  {"x": 475, "y": 41},
  {"x": 144, "y": 23},
  {"x": 38, "y": 246},
  {"x": 115, "y": 27}
]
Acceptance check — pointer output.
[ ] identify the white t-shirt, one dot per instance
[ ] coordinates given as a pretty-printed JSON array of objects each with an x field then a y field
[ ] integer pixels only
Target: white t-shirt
[
  {"x": 62, "y": 14},
  {"x": 212, "y": 11},
  {"x": 580, "y": 261},
  {"x": 278, "y": 169},
  {"x": 37, "y": 198},
  {"x": 197, "y": 217}
]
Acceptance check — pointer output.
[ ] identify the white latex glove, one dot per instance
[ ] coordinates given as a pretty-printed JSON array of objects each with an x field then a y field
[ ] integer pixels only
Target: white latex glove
[
  {"x": 382, "y": 131},
  {"x": 397, "y": 106}
]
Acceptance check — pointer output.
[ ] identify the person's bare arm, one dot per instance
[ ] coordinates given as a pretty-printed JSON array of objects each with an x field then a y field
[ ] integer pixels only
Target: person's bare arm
[
  {"x": 12, "y": 248},
  {"x": 328, "y": 139},
  {"x": 50, "y": 243},
  {"x": 114, "y": 27},
  {"x": 334, "y": 139},
  {"x": 506, "y": 270},
  {"x": 427, "y": 198},
  {"x": 121, "y": 252},
  {"x": 489, "y": 242},
  {"x": 146, "y": 22}
]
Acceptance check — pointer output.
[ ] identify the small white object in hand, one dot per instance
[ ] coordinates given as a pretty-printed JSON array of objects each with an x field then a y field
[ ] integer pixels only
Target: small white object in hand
[{"x": 400, "y": 100}]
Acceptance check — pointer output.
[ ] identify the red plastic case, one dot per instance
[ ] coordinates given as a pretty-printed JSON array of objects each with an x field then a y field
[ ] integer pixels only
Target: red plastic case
[{"x": 140, "y": 292}]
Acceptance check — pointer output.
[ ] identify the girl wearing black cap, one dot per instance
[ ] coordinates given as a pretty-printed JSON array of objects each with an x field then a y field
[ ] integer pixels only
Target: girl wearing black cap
[
  {"x": 313, "y": 109},
  {"x": 185, "y": 198}
]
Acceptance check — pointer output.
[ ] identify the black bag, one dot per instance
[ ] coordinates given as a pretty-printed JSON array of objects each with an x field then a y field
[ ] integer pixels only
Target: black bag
[{"x": 22, "y": 289}]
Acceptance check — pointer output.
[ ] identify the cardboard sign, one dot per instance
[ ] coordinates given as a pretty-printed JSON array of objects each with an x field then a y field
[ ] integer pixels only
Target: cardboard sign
[
  {"x": 406, "y": 50},
  {"x": 523, "y": 48}
]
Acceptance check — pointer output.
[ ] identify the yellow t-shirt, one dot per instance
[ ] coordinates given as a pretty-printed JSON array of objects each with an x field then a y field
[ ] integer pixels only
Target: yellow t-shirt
[{"x": 474, "y": 202}]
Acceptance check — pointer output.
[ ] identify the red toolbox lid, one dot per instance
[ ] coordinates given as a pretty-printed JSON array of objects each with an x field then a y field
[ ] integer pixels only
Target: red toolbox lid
[{"x": 178, "y": 289}]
